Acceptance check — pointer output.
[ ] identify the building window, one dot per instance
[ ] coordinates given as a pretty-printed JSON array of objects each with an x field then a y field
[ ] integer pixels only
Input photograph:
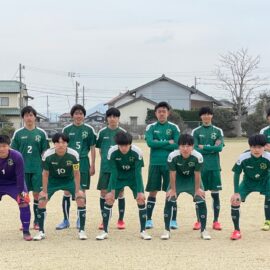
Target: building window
[
  {"x": 133, "y": 121},
  {"x": 4, "y": 101}
]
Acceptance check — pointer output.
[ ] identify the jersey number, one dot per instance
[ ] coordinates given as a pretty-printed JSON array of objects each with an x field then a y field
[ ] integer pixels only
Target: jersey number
[
  {"x": 61, "y": 171},
  {"x": 29, "y": 149},
  {"x": 78, "y": 145},
  {"x": 126, "y": 167}
]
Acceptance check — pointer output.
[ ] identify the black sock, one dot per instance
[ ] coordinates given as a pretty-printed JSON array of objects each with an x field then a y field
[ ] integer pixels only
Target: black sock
[
  {"x": 106, "y": 216},
  {"x": 168, "y": 209},
  {"x": 41, "y": 217},
  {"x": 66, "y": 206},
  {"x": 142, "y": 216},
  {"x": 82, "y": 216},
  {"x": 121, "y": 207},
  {"x": 216, "y": 205},
  {"x": 35, "y": 210},
  {"x": 202, "y": 213},
  {"x": 101, "y": 204},
  {"x": 267, "y": 208},
  {"x": 174, "y": 213},
  {"x": 151, "y": 201},
  {"x": 235, "y": 213}
]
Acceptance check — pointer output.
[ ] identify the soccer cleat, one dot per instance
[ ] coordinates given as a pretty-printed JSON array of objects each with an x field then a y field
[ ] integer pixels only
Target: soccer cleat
[
  {"x": 121, "y": 225},
  {"x": 101, "y": 227},
  {"x": 217, "y": 226},
  {"x": 149, "y": 224},
  {"x": 102, "y": 236},
  {"x": 145, "y": 236},
  {"x": 63, "y": 225},
  {"x": 266, "y": 225},
  {"x": 165, "y": 235},
  {"x": 173, "y": 225},
  {"x": 205, "y": 235},
  {"x": 236, "y": 235},
  {"x": 78, "y": 223},
  {"x": 197, "y": 225},
  {"x": 40, "y": 236},
  {"x": 82, "y": 235},
  {"x": 27, "y": 236},
  {"x": 36, "y": 226}
]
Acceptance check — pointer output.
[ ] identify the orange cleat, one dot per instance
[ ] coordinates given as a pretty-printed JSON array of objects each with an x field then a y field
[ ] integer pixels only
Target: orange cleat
[
  {"x": 236, "y": 235},
  {"x": 197, "y": 226},
  {"x": 121, "y": 224}
]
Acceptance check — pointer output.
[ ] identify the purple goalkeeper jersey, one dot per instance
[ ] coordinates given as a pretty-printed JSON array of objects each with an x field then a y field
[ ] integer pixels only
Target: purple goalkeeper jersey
[{"x": 12, "y": 170}]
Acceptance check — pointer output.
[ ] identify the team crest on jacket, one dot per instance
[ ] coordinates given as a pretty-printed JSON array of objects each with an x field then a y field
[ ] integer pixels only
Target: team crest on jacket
[
  {"x": 131, "y": 159},
  {"x": 213, "y": 135},
  {"x": 84, "y": 134},
  {"x": 168, "y": 132},
  {"x": 10, "y": 162},
  {"x": 191, "y": 164},
  {"x": 38, "y": 138},
  {"x": 263, "y": 166}
]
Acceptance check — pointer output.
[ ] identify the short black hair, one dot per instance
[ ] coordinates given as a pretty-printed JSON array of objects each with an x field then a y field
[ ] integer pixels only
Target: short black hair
[
  {"x": 185, "y": 139},
  {"x": 77, "y": 107},
  {"x": 113, "y": 111},
  {"x": 257, "y": 140},
  {"x": 205, "y": 110},
  {"x": 4, "y": 139},
  {"x": 28, "y": 109},
  {"x": 123, "y": 138},
  {"x": 57, "y": 136},
  {"x": 268, "y": 112},
  {"x": 163, "y": 104}
]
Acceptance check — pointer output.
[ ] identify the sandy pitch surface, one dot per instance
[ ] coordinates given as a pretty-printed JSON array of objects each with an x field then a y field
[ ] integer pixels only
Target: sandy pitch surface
[{"x": 125, "y": 250}]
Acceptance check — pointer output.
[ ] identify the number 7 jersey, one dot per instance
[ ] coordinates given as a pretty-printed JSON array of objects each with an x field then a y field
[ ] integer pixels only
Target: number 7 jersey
[{"x": 31, "y": 144}]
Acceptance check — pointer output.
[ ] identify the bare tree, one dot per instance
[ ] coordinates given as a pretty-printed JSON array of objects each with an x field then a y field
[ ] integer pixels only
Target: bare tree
[{"x": 236, "y": 72}]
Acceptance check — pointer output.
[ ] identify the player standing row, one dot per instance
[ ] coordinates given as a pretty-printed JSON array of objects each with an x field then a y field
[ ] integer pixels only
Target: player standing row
[{"x": 162, "y": 137}]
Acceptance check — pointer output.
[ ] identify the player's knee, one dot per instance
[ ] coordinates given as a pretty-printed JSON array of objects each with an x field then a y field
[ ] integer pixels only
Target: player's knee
[
  {"x": 110, "y": 201},
  {"x": 81, "y": 199},
  {"x": 103, "y": 193},
  {"x": 121, "y": 194},
  {"x": 67, "y": 193},
  {"x": 236, "y": 202},
  {"x": 140, "y": 201}
]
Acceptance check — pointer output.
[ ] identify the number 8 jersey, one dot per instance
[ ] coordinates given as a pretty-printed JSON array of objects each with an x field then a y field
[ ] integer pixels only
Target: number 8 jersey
[{"x": 31, "y": 144}]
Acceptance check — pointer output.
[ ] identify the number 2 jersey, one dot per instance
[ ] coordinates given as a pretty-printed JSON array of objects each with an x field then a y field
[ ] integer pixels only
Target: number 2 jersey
[{"x": 31, "y": 144}]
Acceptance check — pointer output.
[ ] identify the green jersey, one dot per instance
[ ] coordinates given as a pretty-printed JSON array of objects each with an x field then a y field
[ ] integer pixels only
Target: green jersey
[
  {"x": 157, "y": 136},
  {"x": 185, "y": 167},
  {"x": 31, "y": 144},
  {"x": 105, "y": 139},
  {"x": 126, "y": 167},
  {"x": 81, "y": 138},
  {"x": 266, "y": 132},
  {"x": 60, "y": 168},
  {"x": 208, "y": 136},
  {"x": 255, "y": 169}
]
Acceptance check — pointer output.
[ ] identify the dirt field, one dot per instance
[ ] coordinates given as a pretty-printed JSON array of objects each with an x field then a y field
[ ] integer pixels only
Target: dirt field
[{"x": 125, "y": 250}]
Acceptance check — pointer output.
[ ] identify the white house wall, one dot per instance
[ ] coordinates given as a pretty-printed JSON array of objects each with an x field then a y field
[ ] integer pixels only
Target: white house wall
[
  {"x": 176, "y": 96},
  {"x": 13, "y": 100},
  {"x": 136, "y": 109}
]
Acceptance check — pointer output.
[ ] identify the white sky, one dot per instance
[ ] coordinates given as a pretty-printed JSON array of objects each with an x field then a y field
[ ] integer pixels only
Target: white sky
[{"x": 119, "y": 45}]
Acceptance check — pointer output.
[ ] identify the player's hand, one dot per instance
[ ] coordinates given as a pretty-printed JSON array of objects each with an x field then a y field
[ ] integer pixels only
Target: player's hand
[
  {"x": 140, "y": 196},
  {"x": 23, "y": 197},
  {"x": 110, "y": 197},
  {"x": 43, "y": 194},
  {"x": 236, "y": 199},
  {"x": 79, "y": 193},
  {"x": 200, "y": 146},
  {"x": 218, "y": 142},
  {"x": 171, "y": 194},
  {"x": 92, "y": 170},
  {"x": 171, "y": 141},
  {"x": 201, "y": 193}
]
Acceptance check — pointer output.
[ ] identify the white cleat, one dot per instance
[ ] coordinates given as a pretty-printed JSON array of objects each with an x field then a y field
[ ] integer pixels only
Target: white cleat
[
  {"x": 166, "y": 235},
  {"x": 145, "y": 235},
  {"x": 82, "y": 235},
  {"x": 205, "y": 235},
  {"x": 102, "y": 236},
  {"x": 40, "y": 236}
]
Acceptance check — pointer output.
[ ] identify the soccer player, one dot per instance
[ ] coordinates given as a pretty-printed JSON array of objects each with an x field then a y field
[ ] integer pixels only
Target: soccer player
[
  {"x": 185, "y": 176},
  {"x": 126, "y": 163},
  {"x": 105, "y": 139},
  {"x": 209, "y": 141},
  {"x": 255, "y": 164},
  {"x": 31, "y": 141},
  {"x": 60, "y": 172},
  {"x": 82, "y": 138},
  {"x": 12, "y": 182},
  {"x": 266, "y": 131},
  {"x": 162, "y": 137}
]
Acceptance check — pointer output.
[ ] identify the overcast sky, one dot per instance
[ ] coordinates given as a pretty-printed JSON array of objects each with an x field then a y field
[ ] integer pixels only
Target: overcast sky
[{"x": 112, "y": 46}]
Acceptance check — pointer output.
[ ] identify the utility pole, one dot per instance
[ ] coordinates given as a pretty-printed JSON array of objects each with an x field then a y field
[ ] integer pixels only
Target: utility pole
[
  {"x": 77, "y": 95},
  {"x": 83, "y": 96},
  {"x": 47, "y": 106},
  {"x": 21, "y": 94},
  {"x": 195, "y": 82}
]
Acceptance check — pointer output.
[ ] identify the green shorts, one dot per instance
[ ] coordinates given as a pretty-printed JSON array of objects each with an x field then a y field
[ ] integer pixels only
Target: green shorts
[
  {"x": 186, "y": 185},
  {"x": 248, "y": 186},
  {"x": 157, "y": 173},
  {"x": 67, "y": 185},
  {"x": 85, "y": 174},
  {"x": 103, "y": 180},
  {"x": 121, "y": 184},
  {"x": 33, "y": 181},
  {"x": 211, "y": 180}
]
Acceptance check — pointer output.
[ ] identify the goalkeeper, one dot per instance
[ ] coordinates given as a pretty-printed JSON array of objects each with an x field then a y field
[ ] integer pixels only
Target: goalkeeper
[{"x": 12, "y": 182}]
